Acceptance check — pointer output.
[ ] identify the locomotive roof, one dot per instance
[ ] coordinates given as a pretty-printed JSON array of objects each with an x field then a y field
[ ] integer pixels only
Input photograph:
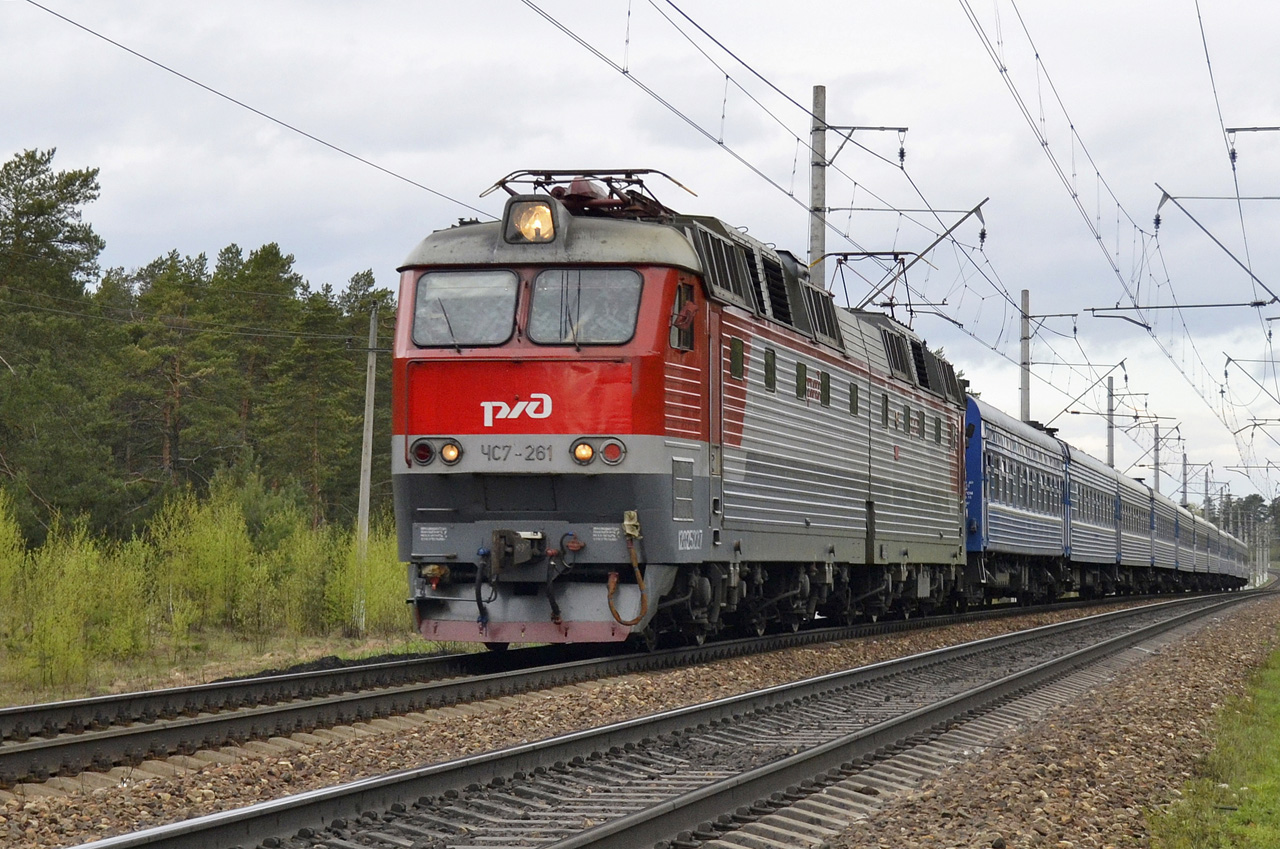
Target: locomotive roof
[{"x": 584, "y": 240}]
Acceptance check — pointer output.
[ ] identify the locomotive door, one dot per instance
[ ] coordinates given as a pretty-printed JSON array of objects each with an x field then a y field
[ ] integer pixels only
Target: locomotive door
[{"x": 715, "y": 431}]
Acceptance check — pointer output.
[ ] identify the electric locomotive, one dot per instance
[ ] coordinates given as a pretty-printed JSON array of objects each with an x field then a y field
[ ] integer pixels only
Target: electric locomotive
[{"x": 613, "y": 420}]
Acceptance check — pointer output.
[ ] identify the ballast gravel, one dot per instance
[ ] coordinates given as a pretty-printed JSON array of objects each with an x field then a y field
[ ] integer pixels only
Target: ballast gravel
[{"x": 1084, "y": 777}]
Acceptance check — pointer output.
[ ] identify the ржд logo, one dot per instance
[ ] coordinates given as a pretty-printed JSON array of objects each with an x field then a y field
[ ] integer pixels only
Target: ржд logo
[{"x": 537, "y": 407}]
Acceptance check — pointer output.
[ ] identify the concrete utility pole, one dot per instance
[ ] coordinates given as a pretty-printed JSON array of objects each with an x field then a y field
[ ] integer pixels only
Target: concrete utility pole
[
  {"x": 366, "y": 469},
  {"x": 1156, "y": 461},
  {"x": 1111, "y": 422},
  {"x": 1184, "y": 478},
  {"x": 1026, "y": 355},
  {"x": 818, "y": 186}
]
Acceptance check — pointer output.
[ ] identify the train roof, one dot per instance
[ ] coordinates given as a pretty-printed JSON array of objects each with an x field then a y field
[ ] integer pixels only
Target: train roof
[
  {"x": 1033, "y": 435},
  {"x": 582, "y": 240}
]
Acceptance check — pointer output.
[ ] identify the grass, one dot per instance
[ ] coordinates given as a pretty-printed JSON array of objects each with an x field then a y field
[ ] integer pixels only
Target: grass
[
  {"x": 1234, "y": 801},
  {"x": 219, "y": 654},
  {"x": 235, "y": 582}
]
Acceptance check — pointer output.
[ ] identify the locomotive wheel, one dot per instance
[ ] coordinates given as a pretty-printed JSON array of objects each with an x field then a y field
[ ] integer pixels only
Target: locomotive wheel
[{"x": 646, "y": 640}]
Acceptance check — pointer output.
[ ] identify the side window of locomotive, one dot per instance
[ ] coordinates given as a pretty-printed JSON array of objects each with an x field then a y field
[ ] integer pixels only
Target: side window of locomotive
[
  {"x": 824, "y": 389},
  {"x": 737, "y": 359},
  {"x": 584, "y": 306},
  {"x": 884, "y": 410},
  {"x": 456, "y": 308},
  {"x": 853, "y": 399},
  {"x": 683, "y": 317},
  {"x": 770, "y": 369},
  {"x": 937, "y": 429},
  {"x": 802, "y": 380}
]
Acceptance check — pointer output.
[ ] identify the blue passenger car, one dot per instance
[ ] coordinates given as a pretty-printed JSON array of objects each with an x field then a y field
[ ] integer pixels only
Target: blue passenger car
[
  {"x": 1044, "y": 518},
  {"x": 1016, "y": 530}
]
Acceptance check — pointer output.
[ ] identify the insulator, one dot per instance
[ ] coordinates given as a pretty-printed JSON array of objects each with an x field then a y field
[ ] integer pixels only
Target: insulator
[
  {"x": 902, "y": 155},
  {"x": 1233, "y": 157},
  {"x": 982, "y": 237},
  {"x": 1157, "y": 221}
]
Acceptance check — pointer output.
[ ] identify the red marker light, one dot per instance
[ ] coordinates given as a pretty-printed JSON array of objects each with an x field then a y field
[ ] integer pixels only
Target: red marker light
[
  {"x": 422, "y": 452},
  {"x": 612, "y": 452}
]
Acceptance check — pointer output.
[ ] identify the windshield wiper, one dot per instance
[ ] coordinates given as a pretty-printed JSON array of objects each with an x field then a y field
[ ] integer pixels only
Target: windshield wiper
[
  {"x": 573, "y": 331},
  {"x": 448, "y": 325}
]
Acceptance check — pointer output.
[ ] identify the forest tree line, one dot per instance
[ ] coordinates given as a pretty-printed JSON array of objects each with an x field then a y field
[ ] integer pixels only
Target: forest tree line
[{"x": 120, "y": 388}]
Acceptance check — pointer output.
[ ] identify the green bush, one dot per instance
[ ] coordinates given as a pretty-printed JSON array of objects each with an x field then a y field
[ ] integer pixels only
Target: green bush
[{"x": 245, "y": 562}]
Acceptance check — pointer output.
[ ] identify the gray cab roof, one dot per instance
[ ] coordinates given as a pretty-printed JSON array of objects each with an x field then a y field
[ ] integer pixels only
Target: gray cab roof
[{"x": 581, "y": 240}]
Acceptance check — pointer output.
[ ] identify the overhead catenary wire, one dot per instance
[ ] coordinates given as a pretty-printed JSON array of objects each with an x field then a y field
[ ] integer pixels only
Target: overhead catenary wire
[
  {"x": 1223, "y": 413},
  {"x": 243, "y": 105}
]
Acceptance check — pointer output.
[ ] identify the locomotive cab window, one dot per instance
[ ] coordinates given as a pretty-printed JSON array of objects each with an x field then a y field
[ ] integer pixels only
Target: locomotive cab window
[
  {"x": 456, "y": 308},
  {"x": 683, "y": 317},
  {"x": 584, "y": 306}
]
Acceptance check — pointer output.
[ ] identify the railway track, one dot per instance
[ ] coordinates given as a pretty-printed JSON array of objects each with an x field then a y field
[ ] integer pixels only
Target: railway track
[
  {"x": 793, "y": 754},
  {"x": 65, "y": 738}
]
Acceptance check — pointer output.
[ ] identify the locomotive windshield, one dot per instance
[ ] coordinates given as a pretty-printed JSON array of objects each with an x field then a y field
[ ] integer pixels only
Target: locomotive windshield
[
  {"x": 456, "y": 308},
  {"x": 587, "y": 306}
]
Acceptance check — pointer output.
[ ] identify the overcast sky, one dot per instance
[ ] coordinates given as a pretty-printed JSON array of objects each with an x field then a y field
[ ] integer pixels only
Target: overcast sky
[{"x": 453, "y": 96}]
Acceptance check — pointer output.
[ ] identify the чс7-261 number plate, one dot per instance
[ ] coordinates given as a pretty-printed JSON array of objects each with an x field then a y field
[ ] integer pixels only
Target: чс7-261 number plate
[{"x": 528, "y": 453}]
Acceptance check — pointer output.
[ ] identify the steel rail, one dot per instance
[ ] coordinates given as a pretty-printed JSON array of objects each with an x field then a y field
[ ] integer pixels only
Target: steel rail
[
  {"x": 20, "y": 722},
  {"x": 283, "y": 818},
  {"x": 813, "y": 768},
  {"x": 81, "y": 734}
]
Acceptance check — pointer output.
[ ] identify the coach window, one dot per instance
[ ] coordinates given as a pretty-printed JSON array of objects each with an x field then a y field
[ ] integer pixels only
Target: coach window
[
  {"x": 802, "y": 380},
  {"x": 584, "y": 306},
  {"x": 736, "y": 358},
  {"x": 853, "y": 399},
  {"x": 770, "y": 369},
  {"x": 456, "y": 308}
]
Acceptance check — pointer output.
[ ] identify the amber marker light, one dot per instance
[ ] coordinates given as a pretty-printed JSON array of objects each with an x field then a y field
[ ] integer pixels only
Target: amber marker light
[
  {"x": 583, "y": 452},
  {"x": 450, "y": 453},
  {"x": 530, "y": 221}
]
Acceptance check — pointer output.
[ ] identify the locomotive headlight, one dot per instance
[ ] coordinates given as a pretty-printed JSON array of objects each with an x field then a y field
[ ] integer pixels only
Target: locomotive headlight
[
  {"x": 583, "y": 452},
  {"x": 422, "y": 452},
  {"x": 450, "y": 452},
  {"x": 530, "y": 221}
]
